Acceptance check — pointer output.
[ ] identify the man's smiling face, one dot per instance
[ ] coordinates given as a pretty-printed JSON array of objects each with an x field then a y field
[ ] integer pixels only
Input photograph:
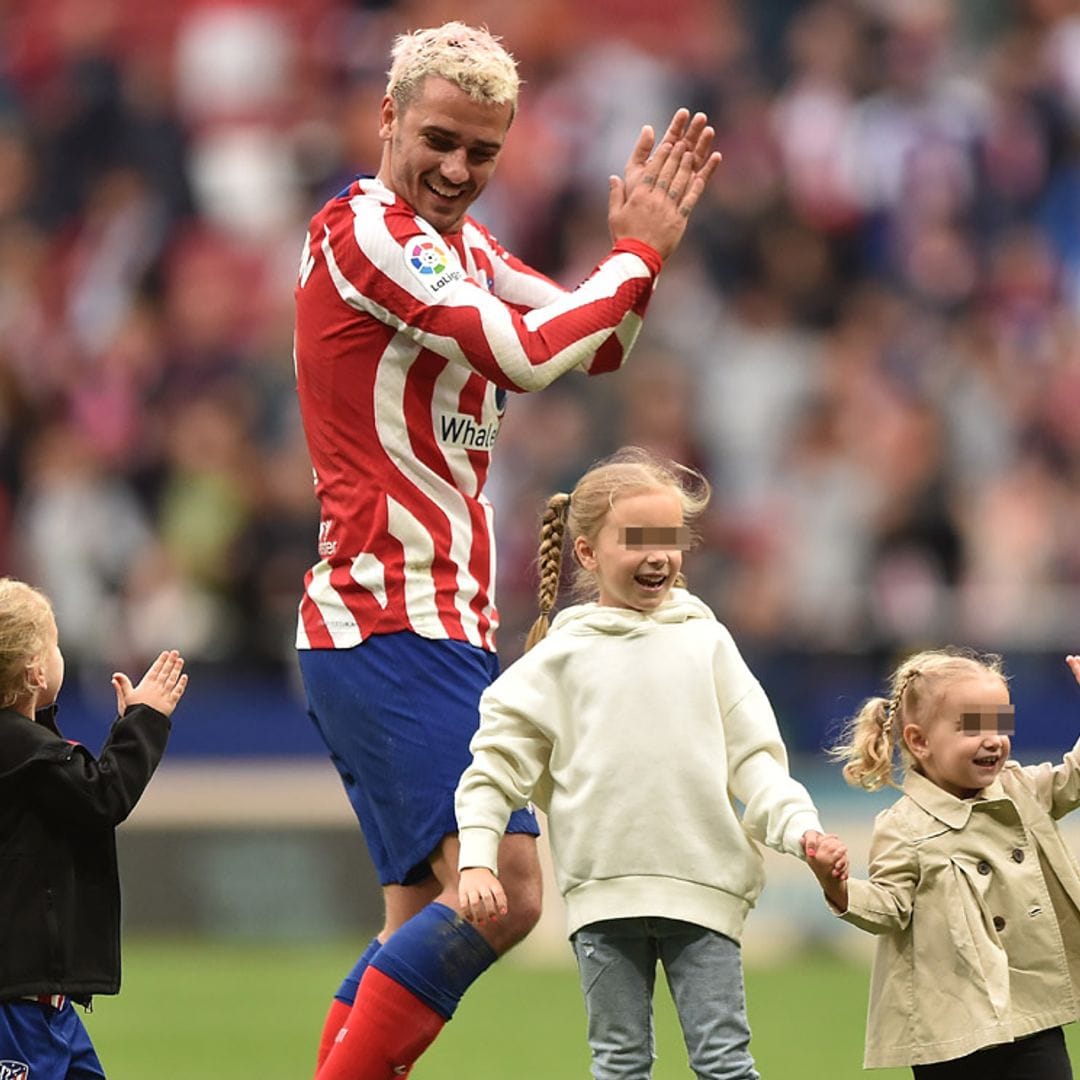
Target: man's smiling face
[{"x": 440, "y": 150}]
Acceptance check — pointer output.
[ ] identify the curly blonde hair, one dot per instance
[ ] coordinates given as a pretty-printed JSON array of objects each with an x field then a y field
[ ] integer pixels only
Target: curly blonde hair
[
  {"x": 468, "y": 56},
  {"x": 873, "y": 739},
  {"x": 26, "y": 622},
  {"x": 582, "y": 513}
]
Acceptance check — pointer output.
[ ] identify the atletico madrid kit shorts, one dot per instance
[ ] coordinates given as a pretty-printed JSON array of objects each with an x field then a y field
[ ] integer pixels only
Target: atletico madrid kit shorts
[
  {"x": 397, "y": 713},
  {"x": 40, "y": 1042}
]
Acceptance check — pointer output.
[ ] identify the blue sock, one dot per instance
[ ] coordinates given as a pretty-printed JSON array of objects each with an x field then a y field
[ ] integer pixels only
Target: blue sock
[
  {"x": 436, "y": 956},
  {"x": 347, "y": 990}
]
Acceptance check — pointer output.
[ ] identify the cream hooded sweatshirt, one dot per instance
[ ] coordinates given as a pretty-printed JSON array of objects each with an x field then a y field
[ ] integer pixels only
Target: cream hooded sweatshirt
[{"x": 636, "y": 733}]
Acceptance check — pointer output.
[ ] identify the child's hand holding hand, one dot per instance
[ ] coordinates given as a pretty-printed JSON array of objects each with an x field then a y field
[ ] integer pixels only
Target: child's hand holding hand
[
  {"x": 161, "y": 687},
  {"x": 827, "y": 856},
  {"x": 480, "y": 895}
]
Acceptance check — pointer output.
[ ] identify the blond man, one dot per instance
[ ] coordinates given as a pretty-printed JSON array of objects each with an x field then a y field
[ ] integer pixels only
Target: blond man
[{"x": 412, "y": 325}]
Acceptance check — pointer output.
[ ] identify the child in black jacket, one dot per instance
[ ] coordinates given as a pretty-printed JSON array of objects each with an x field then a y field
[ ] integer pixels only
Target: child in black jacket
[{"x": 59, "y": 807}]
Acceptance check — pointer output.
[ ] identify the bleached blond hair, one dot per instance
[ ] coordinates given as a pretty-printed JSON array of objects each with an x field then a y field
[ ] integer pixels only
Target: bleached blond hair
[
  {"x": 873, "y": 739},
  {"x": 26, "y": 622},
  {"x": 468, "y": 56},
  {"x": 582, "y": 513}
]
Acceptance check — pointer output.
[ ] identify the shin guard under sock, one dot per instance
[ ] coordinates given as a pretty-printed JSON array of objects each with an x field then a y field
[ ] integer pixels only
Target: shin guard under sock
[{"x": 409, "y": 990}]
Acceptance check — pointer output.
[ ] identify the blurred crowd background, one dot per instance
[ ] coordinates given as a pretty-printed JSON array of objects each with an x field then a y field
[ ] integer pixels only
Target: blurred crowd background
[{"x": 868, "y": 341}]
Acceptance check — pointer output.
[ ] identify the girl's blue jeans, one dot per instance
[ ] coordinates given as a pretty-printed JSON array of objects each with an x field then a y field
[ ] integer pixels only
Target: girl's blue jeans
[{"x": 617, "y": 961}]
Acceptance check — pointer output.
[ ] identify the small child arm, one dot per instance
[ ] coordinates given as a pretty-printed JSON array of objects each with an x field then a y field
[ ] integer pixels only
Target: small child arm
[
  {"x": 481, "y": 895},
  {"x": 161, "y": 687},
  {"x": 827, "y": 857}
]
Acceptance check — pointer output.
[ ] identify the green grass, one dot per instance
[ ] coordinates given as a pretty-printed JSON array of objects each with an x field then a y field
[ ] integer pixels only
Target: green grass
[{"x": 253, "y": 1012}]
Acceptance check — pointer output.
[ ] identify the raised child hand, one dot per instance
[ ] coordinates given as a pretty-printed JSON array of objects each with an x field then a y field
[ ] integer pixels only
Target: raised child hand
[
  {"x": 161, "y": 687},
  {"x": 480, "y": 895}
]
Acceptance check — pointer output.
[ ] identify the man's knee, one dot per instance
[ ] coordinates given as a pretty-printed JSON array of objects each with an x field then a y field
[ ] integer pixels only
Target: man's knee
[
  {"x": 525, "y": 906},
  {"x": 519, "y": 872}
]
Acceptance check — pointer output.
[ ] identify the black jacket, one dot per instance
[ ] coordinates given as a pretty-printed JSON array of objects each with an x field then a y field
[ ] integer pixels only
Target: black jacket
[{"x": 59, "y": 885}]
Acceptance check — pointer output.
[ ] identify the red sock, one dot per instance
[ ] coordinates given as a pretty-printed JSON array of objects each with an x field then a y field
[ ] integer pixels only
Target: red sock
[
  {"x": 387, "y": 1030},
  {"x": 336, "y": 1019}
]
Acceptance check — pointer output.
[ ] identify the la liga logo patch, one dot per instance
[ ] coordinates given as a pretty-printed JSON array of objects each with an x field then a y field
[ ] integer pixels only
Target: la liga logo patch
[
  {"x": 431, "y": 264},
  {"x": 427, "y": 258}
]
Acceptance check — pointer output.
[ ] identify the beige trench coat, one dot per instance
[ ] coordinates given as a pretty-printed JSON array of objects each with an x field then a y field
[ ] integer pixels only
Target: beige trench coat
[{"x": 977, "y": 908}]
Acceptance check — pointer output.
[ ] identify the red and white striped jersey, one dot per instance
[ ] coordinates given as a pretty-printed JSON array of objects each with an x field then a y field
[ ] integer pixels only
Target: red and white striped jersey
[{"x": 406, "y": 344}]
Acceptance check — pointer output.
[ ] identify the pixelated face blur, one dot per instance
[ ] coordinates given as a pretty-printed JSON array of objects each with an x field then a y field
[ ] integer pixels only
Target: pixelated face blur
[
  {"x": 440, "y": 149},
  {"x": 965, "y": 745},
  {"x": 637, "y": 552}
]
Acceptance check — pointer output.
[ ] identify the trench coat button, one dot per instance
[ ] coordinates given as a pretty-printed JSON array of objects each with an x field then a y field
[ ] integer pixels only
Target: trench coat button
[
  {"x": 999, "y": 923},
  {"x": 983, "y": 867},
  {"x": 1017, "y": 855}
]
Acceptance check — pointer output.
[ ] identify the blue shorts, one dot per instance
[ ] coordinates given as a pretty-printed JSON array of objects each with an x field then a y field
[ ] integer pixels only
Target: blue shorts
[
  {"x": 397, "y": 713},
  {"x": 38, "y": 1042}
]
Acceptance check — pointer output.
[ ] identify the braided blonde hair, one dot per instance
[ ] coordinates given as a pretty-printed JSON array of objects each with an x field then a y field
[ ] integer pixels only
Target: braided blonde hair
[
  {"x": 552, "y": 534},
  {"x": 874, "y": 738},
  {"x": 26, "y": 620},
  {"x": 582, "y": 513}
]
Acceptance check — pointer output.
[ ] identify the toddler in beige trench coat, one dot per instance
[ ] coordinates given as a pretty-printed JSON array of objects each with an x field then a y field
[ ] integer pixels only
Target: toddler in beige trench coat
[{"x": 973, "y": 893}]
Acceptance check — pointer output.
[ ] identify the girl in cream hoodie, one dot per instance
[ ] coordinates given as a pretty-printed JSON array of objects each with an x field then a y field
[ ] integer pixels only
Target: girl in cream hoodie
[{"x": 637, "y": 726}]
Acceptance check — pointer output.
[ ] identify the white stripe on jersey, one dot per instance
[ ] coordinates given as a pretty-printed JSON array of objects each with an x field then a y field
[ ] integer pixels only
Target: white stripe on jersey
[
  {"x": 450, "y": 383},
  {"x": 390, "y": 380},
  {"x": 369, "y": 572},
  {"x": 340, "y": 624},
  {"x": 419, "y": 584},
  {"x": 511, "y": 284},
  {"x": 443, "y": 346},
  {"x": 603, "y": 285},
  {"x": 490, "y": 612},
  {"x": 628, "y": 329}
]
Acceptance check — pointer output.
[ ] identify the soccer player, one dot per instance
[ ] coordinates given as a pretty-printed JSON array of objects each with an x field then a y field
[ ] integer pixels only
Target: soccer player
[{"x": 412, "y": 324}]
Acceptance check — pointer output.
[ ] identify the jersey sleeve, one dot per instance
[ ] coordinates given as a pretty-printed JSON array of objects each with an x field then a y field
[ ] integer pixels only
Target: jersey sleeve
[
  {"x": 510, "y": 758},
  {"x": 385, "y": 262}
]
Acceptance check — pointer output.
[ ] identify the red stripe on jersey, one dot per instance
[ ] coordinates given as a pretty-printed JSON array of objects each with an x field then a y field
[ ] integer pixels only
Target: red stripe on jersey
[
  {"x": 312, "y": 621},
  {"x": 512, "y": 262},
  {"x": 419, "y": 391},
  {"x": 471, "y": 403},
  {"x": 609, "y": 357}
]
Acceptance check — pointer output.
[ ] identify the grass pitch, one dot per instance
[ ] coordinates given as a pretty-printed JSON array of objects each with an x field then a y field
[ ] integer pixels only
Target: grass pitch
[{"x": 230, "y": 1011}]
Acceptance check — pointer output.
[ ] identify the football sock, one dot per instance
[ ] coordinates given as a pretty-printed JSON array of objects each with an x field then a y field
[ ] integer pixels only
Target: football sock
[
  {"x": 337, "y": 1017},
  {"x": 342, "y": 1003},
  {"x": 409, "y": 991},
  {"x": 347, "y": 990}
]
